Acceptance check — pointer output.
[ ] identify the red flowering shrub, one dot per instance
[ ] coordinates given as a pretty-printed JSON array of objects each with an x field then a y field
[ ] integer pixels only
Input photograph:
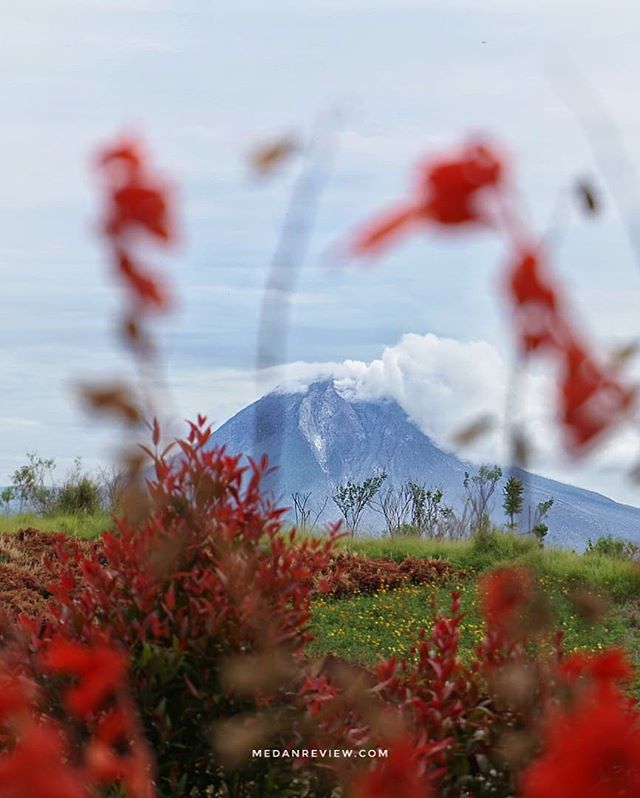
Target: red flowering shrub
[
  {"x": 448, "y": 702},
  {"x": 209, "y": 601},
  {"x": 422, "y": 571},
  {"x": 206, "y": 588},
  {"x": 521, "y": 718}
]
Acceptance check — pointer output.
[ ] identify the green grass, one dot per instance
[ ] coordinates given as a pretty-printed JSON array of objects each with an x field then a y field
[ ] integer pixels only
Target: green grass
[
  {"x": 619, "y": 578},
  {"x": 85, "y": 526},
  {"x": 365, "y": 628}
]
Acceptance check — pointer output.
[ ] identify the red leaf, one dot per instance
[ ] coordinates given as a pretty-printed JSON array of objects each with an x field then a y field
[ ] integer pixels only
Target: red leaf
[
  {"x": 373, "y": 236},
  {"x": 170, "y": 598},
  {"x": 451, "y": 186},
  {"x": 137, "y": 205},
  {"x": 591, "y": 401},
  {"x": 539, "y": 316},
  {"x": 145, "y": 288},
  {"x": 99, "y": 670},
  {"x": 449, "y": 192},
  {"x": 156, "y": 432}
]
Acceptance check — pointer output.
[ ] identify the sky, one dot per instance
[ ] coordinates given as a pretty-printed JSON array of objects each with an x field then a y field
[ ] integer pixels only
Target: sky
[{"x": 202, "y": 83}]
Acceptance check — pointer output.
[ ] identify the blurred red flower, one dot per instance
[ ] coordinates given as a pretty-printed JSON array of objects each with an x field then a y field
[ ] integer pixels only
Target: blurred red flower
[
  {"x": 449, "y": 188},
  {"x": 591, "y": 401},
  {"x": 592, "y": 751},
  {"x": 447, "y": 193},
  {"x": 99, "y": 671},
  {"x": 138, "y": 199},
  {"x": 504, "y": 594},
  {"x": 146, "y": 289},
  {"x": 36, "y": 767},
  {"x": 539, "y": 319},
  {"x": 604, "y": 667},
  {"x": 399, "y": 775},
  {"x": 138, "y": 206}
]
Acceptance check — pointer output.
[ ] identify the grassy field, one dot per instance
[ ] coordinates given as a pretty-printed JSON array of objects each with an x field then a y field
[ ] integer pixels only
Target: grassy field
[
  {"x": 85, "y": 526},
  {"x": 366, "y": 627},
  {"x": 619, "y": 578}
]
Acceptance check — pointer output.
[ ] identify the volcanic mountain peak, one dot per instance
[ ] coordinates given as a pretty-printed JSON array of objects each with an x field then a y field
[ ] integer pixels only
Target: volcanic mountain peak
[{"x": 323, "y": 434}]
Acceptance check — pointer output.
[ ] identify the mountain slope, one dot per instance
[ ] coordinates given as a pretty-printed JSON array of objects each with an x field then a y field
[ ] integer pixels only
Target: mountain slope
[{"x": 321, "y": 438}]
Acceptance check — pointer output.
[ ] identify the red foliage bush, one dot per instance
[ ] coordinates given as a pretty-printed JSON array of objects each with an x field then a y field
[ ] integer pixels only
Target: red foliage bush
[
  {"x": 209, "y": 578},
  {"x": 348, "y": 574},
  {"x": 425, "y": 571}
]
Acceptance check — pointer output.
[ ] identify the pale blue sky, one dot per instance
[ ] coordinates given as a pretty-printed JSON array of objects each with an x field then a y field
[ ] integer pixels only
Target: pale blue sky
[{"x": 202, "y": 80}]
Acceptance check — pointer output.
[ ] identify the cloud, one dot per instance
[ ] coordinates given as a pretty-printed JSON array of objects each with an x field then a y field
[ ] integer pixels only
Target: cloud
[
  {"x": 438, "y": 381},
  {"x": 443, "y": 385}
]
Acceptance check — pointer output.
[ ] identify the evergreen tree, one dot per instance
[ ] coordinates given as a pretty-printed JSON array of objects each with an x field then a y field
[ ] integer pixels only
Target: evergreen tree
[{"x": 512, "y": 492}]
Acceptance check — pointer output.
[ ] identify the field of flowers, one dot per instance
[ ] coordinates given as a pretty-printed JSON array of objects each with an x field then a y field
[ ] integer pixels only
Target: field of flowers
[{"x": 365, "y": 628}]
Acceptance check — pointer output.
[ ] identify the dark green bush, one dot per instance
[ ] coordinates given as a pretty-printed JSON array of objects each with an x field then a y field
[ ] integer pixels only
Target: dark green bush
[{"x": 79, "y": 496}]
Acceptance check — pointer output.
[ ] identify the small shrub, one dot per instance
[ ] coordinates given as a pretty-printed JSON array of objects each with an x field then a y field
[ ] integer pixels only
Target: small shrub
[
  {"x": 79, "y": 496},
  {"x": 609, "y": 546},
  {"x": 32, "y": 484},
  {"x": 483, "y": 719},
  {"x": 494, "y": 546},
  {"x": 353, "y": 498}
]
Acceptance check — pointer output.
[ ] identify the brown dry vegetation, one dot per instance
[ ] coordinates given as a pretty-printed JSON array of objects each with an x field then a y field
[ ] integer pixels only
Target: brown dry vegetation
[
  {"x": 353, "y": 573},
  {"x": 29, "y": 562}
]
